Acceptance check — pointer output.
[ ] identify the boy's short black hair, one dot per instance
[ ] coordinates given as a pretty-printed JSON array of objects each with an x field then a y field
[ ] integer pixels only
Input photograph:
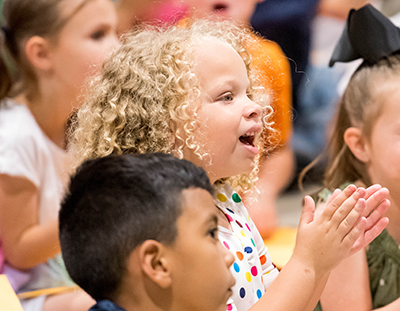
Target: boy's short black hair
[{"x": 113, "y": 205}]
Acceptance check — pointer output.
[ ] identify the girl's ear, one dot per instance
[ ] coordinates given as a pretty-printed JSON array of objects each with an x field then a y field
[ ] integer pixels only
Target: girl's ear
[
  {"x": 37, "y": 50},
  {"x": 154, "y": 263},
  {"x": 356, "y": 143}
]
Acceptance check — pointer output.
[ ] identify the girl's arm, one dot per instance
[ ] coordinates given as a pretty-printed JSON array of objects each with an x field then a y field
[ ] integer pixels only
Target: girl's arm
[
  {"x": 25, "y": 243},
  {"x": 348, "y": 287}
]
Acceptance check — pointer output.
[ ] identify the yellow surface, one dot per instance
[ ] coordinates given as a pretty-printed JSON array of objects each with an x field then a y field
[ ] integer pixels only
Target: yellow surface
[
  {"x": 8, "y": 299},
  {"x": 280, "y": 245}
]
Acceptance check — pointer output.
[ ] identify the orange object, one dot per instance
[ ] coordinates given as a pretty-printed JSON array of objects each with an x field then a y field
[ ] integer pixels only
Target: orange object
[
  {"x": 274, "y": 74},
  {"x": 281, "y": 245}
]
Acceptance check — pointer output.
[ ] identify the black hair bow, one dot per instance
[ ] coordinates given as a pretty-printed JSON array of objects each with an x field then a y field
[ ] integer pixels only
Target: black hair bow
[{"x": 368, "y": 35}]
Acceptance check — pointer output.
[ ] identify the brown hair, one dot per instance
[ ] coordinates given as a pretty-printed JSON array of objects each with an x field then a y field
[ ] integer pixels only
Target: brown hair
[
  {"x": 361, "y": 105},
  {"x": 23, "y": 19}
]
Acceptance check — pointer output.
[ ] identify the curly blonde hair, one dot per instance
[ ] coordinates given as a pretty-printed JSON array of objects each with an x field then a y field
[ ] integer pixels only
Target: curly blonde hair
[{"x": 146, "y": 97}]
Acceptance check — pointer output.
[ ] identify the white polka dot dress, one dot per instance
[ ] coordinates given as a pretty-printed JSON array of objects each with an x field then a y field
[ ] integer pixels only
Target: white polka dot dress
[{"x": 253, "y": 268}]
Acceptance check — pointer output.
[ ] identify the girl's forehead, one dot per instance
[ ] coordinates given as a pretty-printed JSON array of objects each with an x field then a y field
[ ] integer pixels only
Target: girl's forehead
[
  {"x": 69, "y": 8},
  {"x": 205, "y": 49}
]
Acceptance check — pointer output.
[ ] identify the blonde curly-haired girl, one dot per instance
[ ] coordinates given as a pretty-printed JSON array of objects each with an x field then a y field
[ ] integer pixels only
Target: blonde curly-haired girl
[{"x": 191, "y": 92}]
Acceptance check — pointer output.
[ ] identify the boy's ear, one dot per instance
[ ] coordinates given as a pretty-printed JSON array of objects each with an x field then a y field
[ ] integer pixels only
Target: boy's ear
[
  {"x": 356, "y": 143},
  {"x": 154, "y": 263},
  {"x": 37, "y": 50}
]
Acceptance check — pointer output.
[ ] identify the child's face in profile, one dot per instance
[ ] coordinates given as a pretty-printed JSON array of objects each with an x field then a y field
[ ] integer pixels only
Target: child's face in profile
[
  {"x": 84, "y": 42},
  {"x": 229, "y": 120},
  {"x": 239, "y": 10},
  {"x": 201, "y": 279},
  {"x": 383, "y": 147}
]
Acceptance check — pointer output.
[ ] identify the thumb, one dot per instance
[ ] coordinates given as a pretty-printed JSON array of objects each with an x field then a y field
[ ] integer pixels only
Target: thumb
[{"x": 307, "y": 214}]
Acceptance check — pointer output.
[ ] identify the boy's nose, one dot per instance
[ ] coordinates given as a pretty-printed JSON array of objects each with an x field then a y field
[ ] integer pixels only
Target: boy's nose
[{"x": 228, "y": 257}]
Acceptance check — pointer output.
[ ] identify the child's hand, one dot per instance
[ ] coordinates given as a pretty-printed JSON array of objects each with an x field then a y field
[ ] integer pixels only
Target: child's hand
[
  {"x": 377, "y": 204},
  {"x": 324, "y": 240}
]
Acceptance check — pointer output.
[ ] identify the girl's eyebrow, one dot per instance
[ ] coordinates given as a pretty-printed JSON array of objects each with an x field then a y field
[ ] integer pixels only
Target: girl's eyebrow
[{"x": 232, "y": 82}]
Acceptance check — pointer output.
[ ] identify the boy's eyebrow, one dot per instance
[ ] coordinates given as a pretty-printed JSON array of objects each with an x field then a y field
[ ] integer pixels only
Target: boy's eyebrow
[{"x": 212, "y": 218}]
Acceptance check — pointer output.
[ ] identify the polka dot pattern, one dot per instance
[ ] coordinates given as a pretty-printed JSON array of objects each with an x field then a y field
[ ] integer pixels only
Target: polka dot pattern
[
  {"x": 236, "y": 198},
  {"x": 239, "y": 255},
  {"x": 221, "y": 197},
  {"x": 242, "y": 292},
  {"x": 251, "y": 259},
  {"x": 248, "y": 276},
  {"x": 229, "y": 307},
  {"x": 248, "y": 250}
]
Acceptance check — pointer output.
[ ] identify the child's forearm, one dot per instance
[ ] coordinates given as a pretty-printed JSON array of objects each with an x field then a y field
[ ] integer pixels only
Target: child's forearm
[{"x": 297, "y": 288}]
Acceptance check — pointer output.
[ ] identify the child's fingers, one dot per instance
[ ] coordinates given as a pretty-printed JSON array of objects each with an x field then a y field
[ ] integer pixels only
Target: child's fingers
[
  {"x": 352, "y": 218},
  {"x": 371, "y": 190},
  {"x": 369, "y": 235},
  {"x": 307, "y": 214},
  {"x": 375, "y": 230},
  {"x": 342, "y": 212},
  {"x": 354, "y": 237},
  {"x": 336, "y": 201},
  {"x": 375, "y": 199},
  {"x": 333, "y": 196},
  {"x": 377, "y": 213}
]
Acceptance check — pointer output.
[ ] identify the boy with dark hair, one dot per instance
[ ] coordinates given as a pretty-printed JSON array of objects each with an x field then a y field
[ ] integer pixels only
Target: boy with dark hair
[{"x": 140, "y": 233}]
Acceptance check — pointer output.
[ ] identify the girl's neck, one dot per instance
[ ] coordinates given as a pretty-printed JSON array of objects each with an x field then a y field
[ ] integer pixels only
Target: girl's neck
[{"x": 51, "y": 112}]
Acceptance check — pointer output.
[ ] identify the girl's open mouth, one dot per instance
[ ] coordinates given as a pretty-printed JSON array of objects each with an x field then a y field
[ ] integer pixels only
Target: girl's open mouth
[
  {"x": 247, "y": 139},
  {"x": 220, "y": 7}
]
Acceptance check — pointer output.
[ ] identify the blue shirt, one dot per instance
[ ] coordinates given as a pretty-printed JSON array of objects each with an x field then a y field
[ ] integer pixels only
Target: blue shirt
[{"x": 106, "y": 305}]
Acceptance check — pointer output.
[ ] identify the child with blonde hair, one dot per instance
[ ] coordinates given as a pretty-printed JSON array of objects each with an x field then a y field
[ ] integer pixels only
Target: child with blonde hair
[
  {"x": 364, "y": 149},
  {"x": 51, "y": 46},
  {"x": 273, "y": 69},
  {"x": 192, "y": 93}
]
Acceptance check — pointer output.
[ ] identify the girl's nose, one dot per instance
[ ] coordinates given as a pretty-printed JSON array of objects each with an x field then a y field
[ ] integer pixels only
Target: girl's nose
[{"x": 252, "y": 110}]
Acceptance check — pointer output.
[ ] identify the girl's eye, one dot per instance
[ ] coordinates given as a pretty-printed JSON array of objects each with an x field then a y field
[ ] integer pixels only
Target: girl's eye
[
  {"x": 226, "y": 97},
  {"x": 250, "y": 95},
  {"x": 98, "y": 35},
  {"x": 213, "y": 233}
]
